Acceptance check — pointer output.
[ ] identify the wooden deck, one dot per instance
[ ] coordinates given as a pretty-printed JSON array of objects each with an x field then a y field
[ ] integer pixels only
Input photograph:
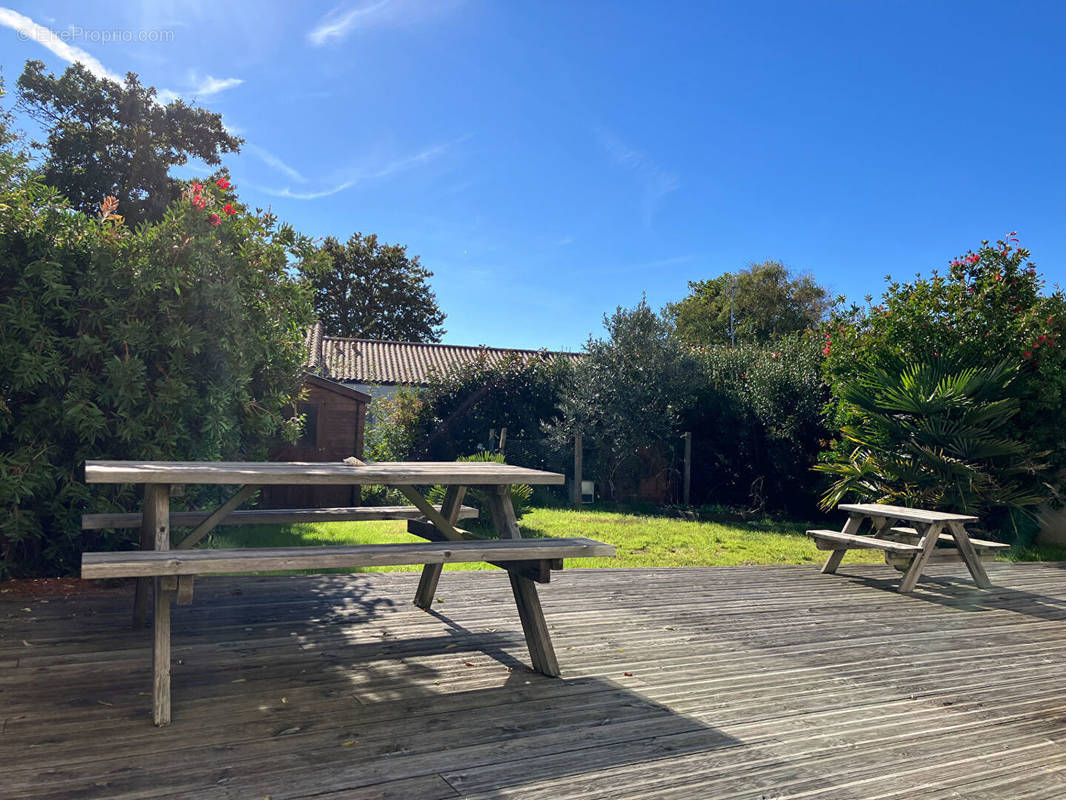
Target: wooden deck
[{"x": 735, "y": 682}]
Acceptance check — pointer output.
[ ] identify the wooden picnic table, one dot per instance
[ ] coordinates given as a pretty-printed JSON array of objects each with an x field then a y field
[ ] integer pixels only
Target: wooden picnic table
[
  {"x": 908, "y": 536},
  {"x": 172, "y": 571}
]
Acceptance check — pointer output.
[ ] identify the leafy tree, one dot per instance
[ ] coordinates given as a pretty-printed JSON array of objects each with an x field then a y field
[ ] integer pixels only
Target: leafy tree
[
  {"x": 180, "y": 340},
  {"x": 7, "y": 134},
  {"x": 371, "y": 290},
  {"x": 627, "y": 398},
  {"x": 935, "y": 435},
  {"x": 766, "y": 301},
  {"x": 110, "y": 139}
]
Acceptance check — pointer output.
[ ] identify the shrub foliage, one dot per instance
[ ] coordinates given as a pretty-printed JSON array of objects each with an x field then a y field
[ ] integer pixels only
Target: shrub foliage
[
  {"x": 180, "y": 340},
  {"x": 453, "y": 416},
  {"x": 990, "y": 308},
  {"x": 754, "y": 413}
]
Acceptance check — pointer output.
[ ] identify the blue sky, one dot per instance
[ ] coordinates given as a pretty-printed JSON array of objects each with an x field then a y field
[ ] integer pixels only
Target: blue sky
[{"x": 550, "y": 161}]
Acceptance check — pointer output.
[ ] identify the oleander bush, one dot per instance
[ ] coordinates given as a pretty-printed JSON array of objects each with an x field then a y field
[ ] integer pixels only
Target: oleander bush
[
  {"x": 990, "y": 310},
  {"x": 181, "y": 339}
]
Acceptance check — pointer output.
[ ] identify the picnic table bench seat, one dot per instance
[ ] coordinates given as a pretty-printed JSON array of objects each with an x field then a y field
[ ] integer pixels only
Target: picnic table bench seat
[
  {"x": 832, "y": 540},
  {"x": 911, "y": 535},
  {"x": 155, "y": 563},
  {"x": 269, "y": 516}
]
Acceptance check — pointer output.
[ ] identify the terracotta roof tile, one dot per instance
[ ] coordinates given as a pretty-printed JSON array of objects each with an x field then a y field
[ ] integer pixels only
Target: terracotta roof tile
[{"x": 412, "y": 363}]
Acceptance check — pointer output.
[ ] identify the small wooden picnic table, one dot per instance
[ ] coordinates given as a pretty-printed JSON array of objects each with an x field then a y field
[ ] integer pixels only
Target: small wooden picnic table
[
  {"x": 527, "y": 561},
  {"x": 914, "y": 541}
]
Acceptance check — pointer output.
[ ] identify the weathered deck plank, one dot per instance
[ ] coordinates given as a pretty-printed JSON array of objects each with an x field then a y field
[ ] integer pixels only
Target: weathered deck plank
[{"x": 719, "y": 682}]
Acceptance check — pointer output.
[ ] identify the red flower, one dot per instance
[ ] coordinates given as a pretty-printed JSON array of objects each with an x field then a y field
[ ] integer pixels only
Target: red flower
[
  {"x": 197, "y": 188},
  {"x": 229, "y": 209},
  {"x": 825, "y": 351},
  {"x": 222, "y": 183},
  {"x": 199, "y": 202},
  {"x": 214, "y": 219},
  {"x": 997, "y": 277},
  {"x": 1042, "y": 338}
]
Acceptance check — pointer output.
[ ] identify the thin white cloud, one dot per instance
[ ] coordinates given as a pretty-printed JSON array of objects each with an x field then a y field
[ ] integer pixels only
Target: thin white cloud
[
  {"x": 287, "y": 192},
  {"x": 27, "y": 29},
  {"x": 369, "y": 14},
  {"x": 337, "y": 26},
  {"x": 212, "y": 85},
  {"x": 657, "y": 181},
  {"x": 202, "y": 87},
  {"x": 409, "y": 162},
  {"x": 272, "y": 160},
  {"x": 364, "y": 174}
]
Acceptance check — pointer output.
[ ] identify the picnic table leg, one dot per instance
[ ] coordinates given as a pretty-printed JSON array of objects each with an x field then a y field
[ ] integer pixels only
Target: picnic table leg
[
  {"x": 535, "y": 628},
  {"x": 969, "y": 555},
  {"x": 851, "y": 527},
  {"x": 157, "y": 515},
  {"x": 427, "y": 584},
  {"x": 914, "y": 571},
  {"x": 140, "y": 597}
]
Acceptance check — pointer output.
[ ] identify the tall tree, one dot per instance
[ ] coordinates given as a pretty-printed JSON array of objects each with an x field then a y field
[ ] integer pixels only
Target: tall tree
[
  {"x": 758, "y": 304},
  {"x": 110, "y": 139},
  {"x": 372, "y": 290}
]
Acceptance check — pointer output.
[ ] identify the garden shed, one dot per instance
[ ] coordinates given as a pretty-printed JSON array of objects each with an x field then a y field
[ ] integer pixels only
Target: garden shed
[{"x": 334, "y": 424}]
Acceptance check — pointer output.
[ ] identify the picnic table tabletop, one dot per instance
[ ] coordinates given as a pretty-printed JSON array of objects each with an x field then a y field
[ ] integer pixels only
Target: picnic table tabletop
[
  {"x": 389, "y": 473},
  {"x": 904, "y": 513}
]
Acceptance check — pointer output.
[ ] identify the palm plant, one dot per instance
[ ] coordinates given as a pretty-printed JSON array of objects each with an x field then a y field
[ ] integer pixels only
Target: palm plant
[
  {"x": 521, "y": 493},
  {"x": 936, "y": 435}
]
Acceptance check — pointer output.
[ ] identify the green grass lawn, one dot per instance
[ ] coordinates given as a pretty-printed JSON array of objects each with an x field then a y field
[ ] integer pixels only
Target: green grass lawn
[{"x": 641, "y": 539}]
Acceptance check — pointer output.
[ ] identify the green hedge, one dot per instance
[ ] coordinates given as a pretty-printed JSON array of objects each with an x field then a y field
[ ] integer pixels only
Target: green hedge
[{"x": 180, "y": 340}]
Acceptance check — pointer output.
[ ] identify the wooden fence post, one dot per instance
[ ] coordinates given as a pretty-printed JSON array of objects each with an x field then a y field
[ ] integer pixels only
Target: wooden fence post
[
  {"x": 503, "y": 437},
  {"x": 575, "y": 488},
  {"x": 687, "y": 436}
]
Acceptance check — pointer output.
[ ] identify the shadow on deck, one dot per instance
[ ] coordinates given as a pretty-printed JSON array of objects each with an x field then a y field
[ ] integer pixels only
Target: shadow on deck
[{"x": 683, "y": 683}]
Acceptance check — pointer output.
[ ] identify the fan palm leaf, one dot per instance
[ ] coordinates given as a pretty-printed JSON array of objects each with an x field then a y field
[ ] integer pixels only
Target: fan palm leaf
[{"x": 935, "y": 434}]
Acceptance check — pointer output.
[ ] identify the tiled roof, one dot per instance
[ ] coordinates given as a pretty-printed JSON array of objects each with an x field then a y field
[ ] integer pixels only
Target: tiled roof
[{"x": 410, "y": 363}]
